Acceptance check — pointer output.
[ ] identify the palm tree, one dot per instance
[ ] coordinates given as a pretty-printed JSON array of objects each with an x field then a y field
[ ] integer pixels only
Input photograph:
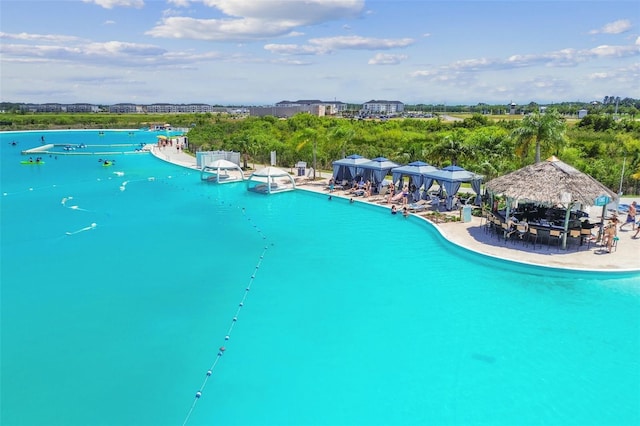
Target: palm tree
[
  {"x": 340, "y": 138},
  {"x": 452, "y": 147},
  {"x": 546, "y": 129},
  {"x": 305, "y": 136}
]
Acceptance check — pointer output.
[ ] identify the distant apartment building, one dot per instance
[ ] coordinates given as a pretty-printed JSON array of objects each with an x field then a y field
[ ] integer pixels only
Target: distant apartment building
[
  {"x": 125, "y": 109},
  {"x": 282, "y": 109},
  {"x": 48, "y": 107},
  {"x": 182, "y": 108},
  {"x": 82, "y": 108},
  {"x": 382, "y": 107},
  {"x": 277, "y": 111},
  {"x": 316, "y": 107},
  {"x": 56, "y": 107}
]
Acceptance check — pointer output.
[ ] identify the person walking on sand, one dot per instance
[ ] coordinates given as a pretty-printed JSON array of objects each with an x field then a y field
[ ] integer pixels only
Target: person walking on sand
[{"x": 631, "y": 216}]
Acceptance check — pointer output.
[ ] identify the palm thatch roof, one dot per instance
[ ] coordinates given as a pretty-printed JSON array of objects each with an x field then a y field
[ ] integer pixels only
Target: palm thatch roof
[{"x": 549, "y": 182}]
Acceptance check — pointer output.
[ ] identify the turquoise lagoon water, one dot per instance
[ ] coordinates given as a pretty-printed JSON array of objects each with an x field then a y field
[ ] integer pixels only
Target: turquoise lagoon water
[{"x": 119, "y": 285}]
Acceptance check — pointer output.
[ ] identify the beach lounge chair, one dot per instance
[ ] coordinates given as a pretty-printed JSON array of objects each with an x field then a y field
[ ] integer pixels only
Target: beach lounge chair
[
  {"x": 418, "y": 205},
  {"x": 397, "y": 198},
  {"x": 435, "y": 204},
  {"x": 381, "y": 196}
]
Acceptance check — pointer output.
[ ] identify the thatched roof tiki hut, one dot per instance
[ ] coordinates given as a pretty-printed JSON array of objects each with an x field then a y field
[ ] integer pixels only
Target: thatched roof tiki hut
[{"x": 550, "y": 183}]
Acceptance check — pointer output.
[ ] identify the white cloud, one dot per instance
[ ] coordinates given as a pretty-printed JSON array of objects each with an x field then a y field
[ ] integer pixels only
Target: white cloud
[
  {"x": 616, "y": 27},
  {"x": 559, "y": 58},
  {"x": 321, "y": 46},
  {"x": 255, "y": 20},
  {"x": 68, "y": 49},
  {"x": 614, "y": 51},
  {"x": 293, "y": 49},
  {"x": 110, "y": 4},
  {"x": 301, "y": 12},
  {"x": 179, "y": 3},
  {"x": 52, "y": 38},
  {"x": 357, "y": 42},
  {"x": 630, "y": 73},
  {"x": 219, "y": 29},
  {"x": 423, "y": 73},
  {"x": 384, "y": 59}
]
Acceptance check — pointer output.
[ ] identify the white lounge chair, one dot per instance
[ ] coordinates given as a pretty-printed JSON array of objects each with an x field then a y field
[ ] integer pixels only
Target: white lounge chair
[{"x": 418, "y": 205}]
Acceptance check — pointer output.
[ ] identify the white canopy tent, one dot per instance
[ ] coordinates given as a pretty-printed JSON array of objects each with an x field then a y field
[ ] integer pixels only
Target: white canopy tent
[
  {"x": 270, "y": 180},
  {"x": 222, "y": 171}
]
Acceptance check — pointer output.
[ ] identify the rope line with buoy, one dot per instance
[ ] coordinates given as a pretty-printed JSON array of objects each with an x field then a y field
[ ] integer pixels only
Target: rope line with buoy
[{"x": 222, "y": 348}]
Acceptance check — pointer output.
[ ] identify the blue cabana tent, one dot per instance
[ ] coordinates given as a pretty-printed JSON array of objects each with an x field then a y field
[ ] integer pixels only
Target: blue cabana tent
[
  {"x": 451, "y": 177},
  {"x": 347, "y": 168},
  {"x": 415, "y": 171},
  {"x": 376, "y": 169}
]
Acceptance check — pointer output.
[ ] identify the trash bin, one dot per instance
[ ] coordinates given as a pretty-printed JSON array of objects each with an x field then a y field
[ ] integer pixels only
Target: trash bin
[
  {"x": 302, "y": 166},
  {"x": 465, "y": 214}
]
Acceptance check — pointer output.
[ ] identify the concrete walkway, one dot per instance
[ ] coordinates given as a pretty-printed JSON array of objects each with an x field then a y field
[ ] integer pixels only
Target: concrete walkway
[
  {"x": 172, "y": 155},
  {"x": 473, "y": 236}
]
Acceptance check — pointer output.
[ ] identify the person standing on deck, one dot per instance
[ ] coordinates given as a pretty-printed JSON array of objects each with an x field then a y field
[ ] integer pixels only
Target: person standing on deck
[{"x": 631, "y": 216}]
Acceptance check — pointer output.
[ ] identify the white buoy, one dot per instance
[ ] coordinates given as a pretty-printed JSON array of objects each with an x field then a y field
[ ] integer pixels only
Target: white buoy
[{"x": 198, "y": 394}]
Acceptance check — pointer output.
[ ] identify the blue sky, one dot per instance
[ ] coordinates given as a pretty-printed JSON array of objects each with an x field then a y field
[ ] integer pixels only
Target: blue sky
[{"x": 259, "y": 52}]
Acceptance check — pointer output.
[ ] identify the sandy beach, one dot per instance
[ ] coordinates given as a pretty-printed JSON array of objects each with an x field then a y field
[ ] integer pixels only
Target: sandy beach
[{"x": 473, "y": 236}]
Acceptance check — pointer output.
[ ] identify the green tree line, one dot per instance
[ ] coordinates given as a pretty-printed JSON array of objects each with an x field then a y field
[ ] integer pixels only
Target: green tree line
[
  {"x": 477, "y": 143},
  {"x": 599, "y": 144}
]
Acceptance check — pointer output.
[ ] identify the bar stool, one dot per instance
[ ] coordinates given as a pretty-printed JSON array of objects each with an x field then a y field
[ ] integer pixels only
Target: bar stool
[
  {"x": 614, "y": 246},
  {"x": 585, "y": 235},
  {"x": 575, "y": 235},
  {"x": 554, "y": 234}
]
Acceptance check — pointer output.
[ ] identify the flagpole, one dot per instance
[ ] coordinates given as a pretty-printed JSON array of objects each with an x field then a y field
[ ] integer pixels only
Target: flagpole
[{"x": 624, "y": 161}]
